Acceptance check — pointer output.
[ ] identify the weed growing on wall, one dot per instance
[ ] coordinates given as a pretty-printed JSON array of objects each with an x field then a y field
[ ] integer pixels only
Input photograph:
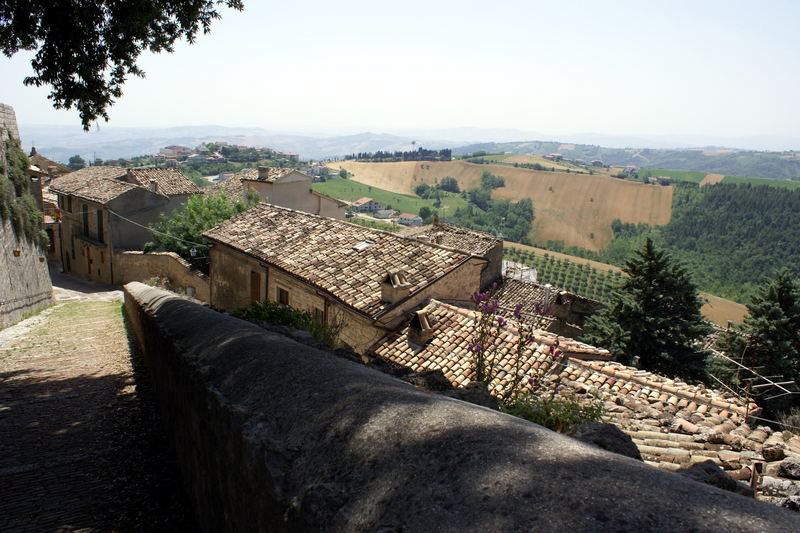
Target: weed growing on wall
[
  {"x": 537, "y": 397},
  {"x": 16, "y": 202},
  {"x": 282, "y": 315}
]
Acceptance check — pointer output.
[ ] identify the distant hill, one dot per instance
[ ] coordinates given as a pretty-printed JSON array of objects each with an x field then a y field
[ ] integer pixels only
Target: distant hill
[
  {"x": 713, "y": 160},
  {"x": 61, "y": 142}
]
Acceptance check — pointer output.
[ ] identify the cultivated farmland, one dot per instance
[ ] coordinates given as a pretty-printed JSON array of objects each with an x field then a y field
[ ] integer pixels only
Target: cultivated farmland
[{"x": 574, "y": 208}]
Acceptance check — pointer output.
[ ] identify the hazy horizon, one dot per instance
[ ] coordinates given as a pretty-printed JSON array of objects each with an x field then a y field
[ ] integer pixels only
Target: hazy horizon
[{"x": 688, "y": 73}]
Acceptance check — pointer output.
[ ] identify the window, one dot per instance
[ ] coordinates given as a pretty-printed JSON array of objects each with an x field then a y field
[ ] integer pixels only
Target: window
[
  {"x": 319, "y": 316},
  {"x": 283, "y": 296},
  {"x": 85, "y": 213},
  {"x": 100, "y": 225},
  {"x": 69, "y": 204}
]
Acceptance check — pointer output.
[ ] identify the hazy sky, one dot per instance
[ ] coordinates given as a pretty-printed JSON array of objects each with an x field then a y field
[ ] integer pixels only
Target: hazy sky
[{"x": 719, "y": 68}]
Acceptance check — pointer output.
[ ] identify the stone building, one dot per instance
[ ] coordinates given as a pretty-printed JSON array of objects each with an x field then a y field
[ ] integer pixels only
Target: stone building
[
  {"x": 366, "y": 279},
  {"x": 106, "y": 209},
  {"x": 285, "y": 187},
  {"x": 366, "y": 205}
]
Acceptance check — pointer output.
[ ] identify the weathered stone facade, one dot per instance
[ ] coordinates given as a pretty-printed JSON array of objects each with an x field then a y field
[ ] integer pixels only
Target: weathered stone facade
[
  {"x": 139, "y": 266},
  {"x": 24, "y": 280}
]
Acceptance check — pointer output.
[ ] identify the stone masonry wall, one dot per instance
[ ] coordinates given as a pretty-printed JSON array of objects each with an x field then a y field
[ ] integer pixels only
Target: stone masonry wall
[
  {"x": 272, "y": 435},
  {"x": 24, "y": 279},
  {"x": 139, "y": 266}
]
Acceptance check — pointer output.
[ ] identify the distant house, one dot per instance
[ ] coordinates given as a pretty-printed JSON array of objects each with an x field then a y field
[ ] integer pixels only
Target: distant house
[
  {"x": 384, "y": 213},
  {"x": 408, "y": 219},
  {"x": 291, "y": 156},
  {"x": 366, "y": 205},
  {"x": 629, "y": 170},
  {"x": 285, "y": 187},
  {"x": 554, "y": 157},
  {"x": 664, "y": 180},
  {"x": 363, "y": 278},
  {"x": 597, "y": 163},
  {"x": 104, "y": 209}
]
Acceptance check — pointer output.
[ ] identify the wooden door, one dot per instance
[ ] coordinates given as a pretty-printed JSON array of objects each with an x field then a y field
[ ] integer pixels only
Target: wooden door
[
  {"x": 255, "y": 286},
  {"x": 88, "y": 261}
]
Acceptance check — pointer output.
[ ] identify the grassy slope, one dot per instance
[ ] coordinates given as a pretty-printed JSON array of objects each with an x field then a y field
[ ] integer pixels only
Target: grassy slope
[
  {"x": 350, "y": 190},
  {"x": 576, "y": 209}
]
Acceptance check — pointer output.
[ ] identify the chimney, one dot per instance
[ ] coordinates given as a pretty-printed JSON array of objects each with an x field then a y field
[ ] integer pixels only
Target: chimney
[
  {"x": 51, "y": 171},
  {"x": 435, "y": 220},
  {"x": 153, "y": 185},
  {"x": 438, "y": 238},
  {"x": 420, "y": 330},
  {"x": 263, "y": 173},
  {"x": 394, "y": 287}
]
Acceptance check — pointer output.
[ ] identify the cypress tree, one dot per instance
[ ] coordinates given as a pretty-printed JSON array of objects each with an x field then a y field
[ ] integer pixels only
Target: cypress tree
[
  {"x": 771, "y": 337},
  {"x": 653, "y": 319}
]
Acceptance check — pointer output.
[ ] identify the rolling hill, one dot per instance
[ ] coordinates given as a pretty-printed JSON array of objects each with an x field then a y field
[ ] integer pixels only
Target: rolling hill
[{"x": 577, "y": 209}]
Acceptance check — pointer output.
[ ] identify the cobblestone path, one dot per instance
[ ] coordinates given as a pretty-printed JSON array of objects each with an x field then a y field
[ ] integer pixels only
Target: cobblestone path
[{"x": 80, "y": 444}]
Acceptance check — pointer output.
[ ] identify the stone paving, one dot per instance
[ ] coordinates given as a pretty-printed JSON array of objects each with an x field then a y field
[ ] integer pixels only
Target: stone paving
[{"x": 81, "y": 448}]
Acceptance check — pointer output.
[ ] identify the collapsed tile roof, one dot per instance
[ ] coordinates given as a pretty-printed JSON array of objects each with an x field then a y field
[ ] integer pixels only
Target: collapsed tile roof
[
  {"x": 346, "y": 260},
  {"x": 456, "y": 237},
  {"x": 102, "y": 184},
  {"x": 170, "y": 181},
  {"x": 673, "y": 423}
]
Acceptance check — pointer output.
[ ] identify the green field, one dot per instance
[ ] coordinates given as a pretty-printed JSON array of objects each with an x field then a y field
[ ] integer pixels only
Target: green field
[
  {"x": 786, "y": 184},
  {"x": 677, "y": 175},
  {"x": 349, "y": 190}
]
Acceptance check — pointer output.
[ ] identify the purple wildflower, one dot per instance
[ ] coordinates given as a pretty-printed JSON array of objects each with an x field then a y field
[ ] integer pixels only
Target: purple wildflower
[
  {"x": 552, "y": 349},
  {"x": 517, "y": 310},
  {"x": 501, "y": 322}
]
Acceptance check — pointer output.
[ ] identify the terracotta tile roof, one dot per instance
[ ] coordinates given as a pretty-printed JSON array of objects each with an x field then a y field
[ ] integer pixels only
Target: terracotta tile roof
[
  {"x": 462, "y": 239},
  {"x": 171, "y": 181},
  {"x": 674, "y": 424},
  {"x": 99, "y": 184},
  {"x": 273, "y": 174},
  {"x": 232, "y": 187},
  {"x": 320, "y": 251},
  {"x": 448, "y": 348},
  {"x": 531, "y": 296},
  {"x": 44, "y": 163},
  {"x": 362, "y": 201}
]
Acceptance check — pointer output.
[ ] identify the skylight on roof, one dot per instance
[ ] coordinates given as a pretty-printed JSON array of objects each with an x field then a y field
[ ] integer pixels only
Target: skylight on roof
[{"x": 363, "y": 244}]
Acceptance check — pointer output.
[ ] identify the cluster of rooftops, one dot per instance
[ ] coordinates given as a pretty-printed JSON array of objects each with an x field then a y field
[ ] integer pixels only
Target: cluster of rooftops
[{"x": 673, "y": 422}]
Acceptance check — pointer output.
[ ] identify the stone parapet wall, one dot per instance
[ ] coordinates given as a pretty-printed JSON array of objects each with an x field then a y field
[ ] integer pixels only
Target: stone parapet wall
[
  {"x": 272, "y": 435},
  {"x": 140, "y": 266}
]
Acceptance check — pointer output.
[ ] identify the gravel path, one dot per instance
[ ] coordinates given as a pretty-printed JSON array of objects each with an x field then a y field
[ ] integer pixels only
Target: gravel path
[{"x": 81, "y": 448}]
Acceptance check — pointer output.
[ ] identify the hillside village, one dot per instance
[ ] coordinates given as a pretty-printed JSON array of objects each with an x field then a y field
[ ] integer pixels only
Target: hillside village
[{"x": 403, "y": 299}]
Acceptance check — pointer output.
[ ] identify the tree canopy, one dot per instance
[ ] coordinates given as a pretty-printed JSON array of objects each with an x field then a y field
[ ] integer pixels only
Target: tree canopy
[
  {"x": 181, "y": 232},
  {"x": 654, "y": 318},
  {"x": 86, "y": 50}
]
